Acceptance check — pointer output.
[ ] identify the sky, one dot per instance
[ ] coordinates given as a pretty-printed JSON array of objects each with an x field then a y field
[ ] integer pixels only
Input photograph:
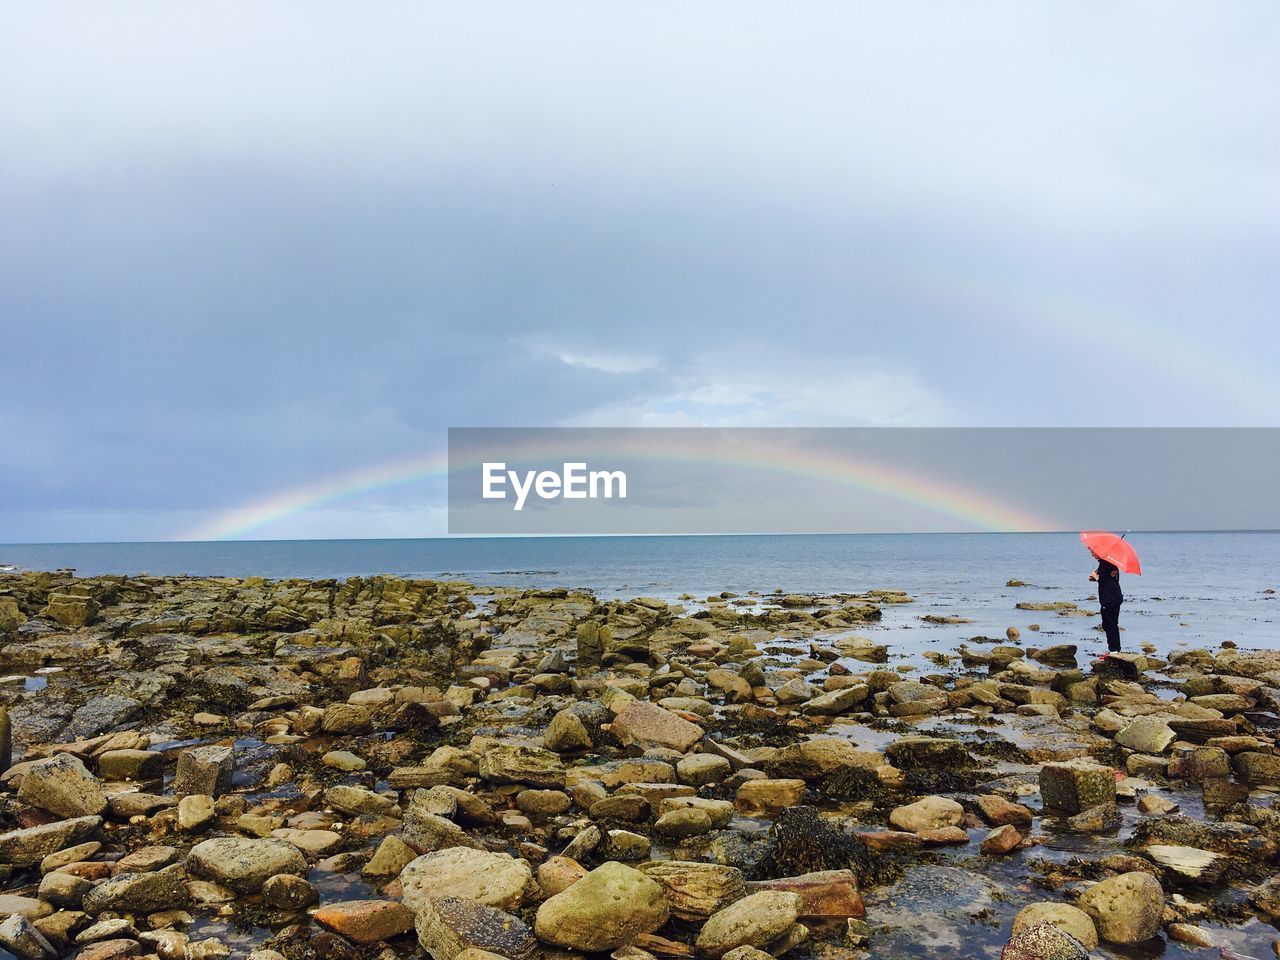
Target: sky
[{"x": 257, "y": 254}]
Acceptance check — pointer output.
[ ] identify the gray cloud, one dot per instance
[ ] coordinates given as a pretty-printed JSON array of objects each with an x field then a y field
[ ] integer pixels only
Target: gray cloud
[{"x": 244, "y": 247}]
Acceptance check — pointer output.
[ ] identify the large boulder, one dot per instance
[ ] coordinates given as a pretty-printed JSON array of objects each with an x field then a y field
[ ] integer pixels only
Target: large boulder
[
  {"x": 242, "y": 864},
  {"x": 63, "y": 785},
  {"x": 494, "y": 879},
  {"x": 1125, "y": 909},
  {"x": 758, "y": 921},
  {"x": 606, "y": 909}
]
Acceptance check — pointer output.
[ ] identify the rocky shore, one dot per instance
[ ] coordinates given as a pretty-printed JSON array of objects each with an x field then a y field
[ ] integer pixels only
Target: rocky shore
[{"x": 203, "y": 767}]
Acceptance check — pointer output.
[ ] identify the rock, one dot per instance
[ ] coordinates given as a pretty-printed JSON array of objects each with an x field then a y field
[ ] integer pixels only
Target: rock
[
  {"x": 686, "y": 822},
  {"x": 71, "y": 611},
  {"x": 606, "y": 909},
  {"x": 392, "y": 856},
  {"x": 244, "y": 865},
  {"x": 1075, "y": 785},
  {"x": 1256, "y": 768},
  {"x": 357, "y": 801},
  {"x": 566, "y": 733},
  {"x": 1149, "y": 734},
  {"x": 1187, "y": 864},
  {"x": 1065, "y": 917},
  {"x": 930, "y": 813},
  {"x": 23, "y": 940},
  {"x": 824, "y": 894},
  {"x": 33, "y": 908},
  {"x": 702, "y": 769},
  {"x": 346, "y": 718},
  {"x": 648, "y": 725},
  {"x": 103, "y": 713},
  {"x": 820, "y": 757},
  {"x": 195, "y": 811},
  {"x": 426, "y": 832},
  {"x": 762, "y": 798},
  {"x": 1266, "y": 898},
  {"x": 1104, "y": 818},
  {"x": 343, "y": 760},
  {"x": 138, "y": 893},
  {"x": 998, "y": 811},
  {"x": 1189, "y": 933},
  {"x": 493, "y": 879},
  {"x": 696, "y": 890},
  {"x": 511, "y": 763},
  {"x": 57, "y": 888},
  {"x": 141, "y": 765},
  {"x": 205, "y": 771},
  {"x": 558, "y": 873},
  {"x": 366, "y": 921},
  {"x": 449, "y": 927},
  {"x": 1234, "y": 839},
  {"x": 758, "y": 921},
  {"x": 1125, "y": 909},
  {"x": 836, "y": 701},
  {"x": 23, "y": 848},
  {"x": 289, "y": 893},
  {"x": 927, "y": 753},
  {"x": 1044, "y": 941},
  {"x": 1001, "y": 840},
  {"x": 62, "y": 785}
]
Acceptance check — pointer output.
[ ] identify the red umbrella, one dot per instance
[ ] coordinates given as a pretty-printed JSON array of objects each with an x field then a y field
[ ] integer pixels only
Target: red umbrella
[{"x": 1112, "y": 548}]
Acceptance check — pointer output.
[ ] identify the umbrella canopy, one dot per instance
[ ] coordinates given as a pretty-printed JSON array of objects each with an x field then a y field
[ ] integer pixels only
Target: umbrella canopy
[{"x": 1112, "y": 548}]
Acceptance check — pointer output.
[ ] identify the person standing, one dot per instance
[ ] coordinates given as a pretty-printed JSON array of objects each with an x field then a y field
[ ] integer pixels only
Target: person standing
[{"x": 1110, "y": 597}]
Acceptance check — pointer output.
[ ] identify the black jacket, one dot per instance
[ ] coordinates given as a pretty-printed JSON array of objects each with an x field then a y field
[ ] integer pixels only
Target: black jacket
[{"x": 1109, "y": 584}]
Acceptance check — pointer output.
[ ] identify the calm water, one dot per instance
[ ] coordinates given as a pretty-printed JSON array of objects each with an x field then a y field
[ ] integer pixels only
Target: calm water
[{"x": 1197, "y": 588}]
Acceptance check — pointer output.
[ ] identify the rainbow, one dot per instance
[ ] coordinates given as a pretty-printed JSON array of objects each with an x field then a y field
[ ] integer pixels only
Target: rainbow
[{"x": 943, "y": 497}]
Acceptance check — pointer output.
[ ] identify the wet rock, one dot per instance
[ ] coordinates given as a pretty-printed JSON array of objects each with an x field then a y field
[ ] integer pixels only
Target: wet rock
[
  {"x": 696, "y": 890},
  {"x": 1187, "y": 864},
  {"x": 924, "y": 753},
  {"x": 244, "y": 865},
  {"x": 1266, "y": 898},
  {"x": 195, "y": 811},
  {"x": 448, "y": 926},
  {"x": 357, "y": 801},
  {"x": 1065, "y": 917},
  {"x": 1044, "y": 941},
  {"x": 63, "y": 785},
  {"x": 31, "y": 845},
  {"x": 606, "y": 909},
  {"x": 759, "y": 920},
  {"x": 929, "y": 813},
  {"x": 138, "y": 893},
  {"x": 702, "y": 769},
  {"x": 1125, "y": 909},
  {"x": 566, "y": 733},
  {"x": 204, "y": 770},
  {"x": 103, "y": 713},
  {"x": 289, "y": 893},
  {"x": 392, "y": 856},
  {"x": 124, "y": 765},
  {"x": 1256, "y": 768},
  {"x": 1146, "y": 735},
  {"x": 1234, "y": 839},
  {"x": 648, "y": 725},
  {"x": 511, "y": 763},
  {"x": 57, "y": 888},
  {"x": 494, "y": 879},
  {"x": 366, "y": 921},
  {"x": 820, "y": 757},
  {"x": 1075, "y": 785},
  {"x": 760, "y": 798},
  {"x": 686, "y": 822},
  {"x": 23, "y": 940},
  {"x": 824, "y": 894},
  {"x": 1104, "y": 818},
  {"x": 998, "y": 811},
  {"x": 1001, "y": 840}
]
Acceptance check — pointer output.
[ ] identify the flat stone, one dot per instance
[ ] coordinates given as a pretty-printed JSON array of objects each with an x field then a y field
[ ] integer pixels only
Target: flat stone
[
  {"x": 648, "y": 725},
  {"x": 448, "y": 926},
  {"x": 758, "y": 921},
  {"x": 366, "y": 921},
  {"x": 493, "y": 879},
  {"x": 244, "y": 864},
  {"x": 63, "y": 785}
]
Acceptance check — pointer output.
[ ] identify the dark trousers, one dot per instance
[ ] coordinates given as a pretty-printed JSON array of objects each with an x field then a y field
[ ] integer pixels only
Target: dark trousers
[{"x": 1111, "y": 624}]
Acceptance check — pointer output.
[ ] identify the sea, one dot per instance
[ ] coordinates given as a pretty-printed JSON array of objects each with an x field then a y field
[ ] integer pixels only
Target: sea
[{"x": 1197, "y": 589}]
